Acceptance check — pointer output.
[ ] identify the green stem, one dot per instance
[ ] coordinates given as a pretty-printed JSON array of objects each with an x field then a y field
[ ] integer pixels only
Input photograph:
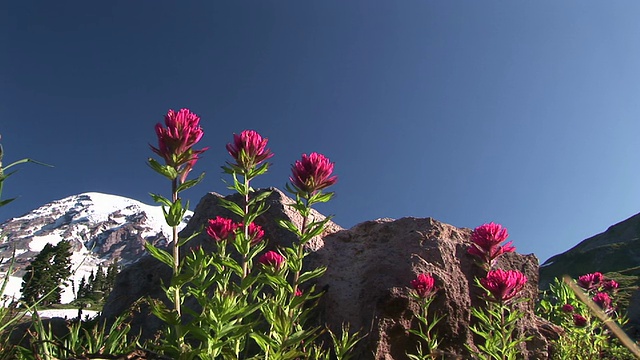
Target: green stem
[
  {"x": 245, "y": 262},
  {"x": 176, "y": 249},
  {"x": 303, "y": 231},
  {"x": 503, "y": 330}
]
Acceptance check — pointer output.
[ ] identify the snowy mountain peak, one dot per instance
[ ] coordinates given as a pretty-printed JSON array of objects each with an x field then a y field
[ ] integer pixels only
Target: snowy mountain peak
[{"x": 101, "y": 227}]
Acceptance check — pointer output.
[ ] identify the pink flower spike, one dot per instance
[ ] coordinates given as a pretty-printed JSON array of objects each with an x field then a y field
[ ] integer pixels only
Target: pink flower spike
[
  {"x": 486, "y": 242},
  {"x": 568, "y": 308},
  {"x": 424, "y": 285},
  {"x": 220, "y": 228},
  {"x": 175, "y": 142},
  {"x": 249, "y": 149},
  {"x": 272, "y": 259},
  {"x": 503, "y": 285},
  {"x": 298, "y": 292},
  {"x": 312, "y": 173}
]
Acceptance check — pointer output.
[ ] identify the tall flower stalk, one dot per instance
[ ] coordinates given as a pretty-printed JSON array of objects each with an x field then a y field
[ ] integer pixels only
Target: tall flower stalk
[
  {"x": 423, "y": 293},
  {"x": 309, "y": 176},
  {"x": 498, "y": 320},
  {"x": 249, "y": 151},
  {"x": 175, "y": 147}
]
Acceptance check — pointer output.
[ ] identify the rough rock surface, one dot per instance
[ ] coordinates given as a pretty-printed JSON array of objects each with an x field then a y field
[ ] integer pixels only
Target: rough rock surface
[
  {"x": 369, "y": 271},
  {"x": 367, "y": 282}
]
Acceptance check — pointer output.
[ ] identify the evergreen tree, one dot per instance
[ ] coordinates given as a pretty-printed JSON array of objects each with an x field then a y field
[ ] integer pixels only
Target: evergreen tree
[
  {"x": 82, "y": 288},
  {"x": 46, "y": 274},
  {"x": 112, "y": 272},
  {"x": 97, "y": 286}
]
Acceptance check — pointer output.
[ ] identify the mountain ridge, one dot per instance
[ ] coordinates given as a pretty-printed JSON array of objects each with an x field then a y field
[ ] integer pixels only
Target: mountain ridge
[{"x": 100, "y": 227}]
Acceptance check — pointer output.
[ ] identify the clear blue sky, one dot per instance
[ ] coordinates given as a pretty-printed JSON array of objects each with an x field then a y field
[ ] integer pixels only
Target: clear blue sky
[{"x": 522, "y": 113}]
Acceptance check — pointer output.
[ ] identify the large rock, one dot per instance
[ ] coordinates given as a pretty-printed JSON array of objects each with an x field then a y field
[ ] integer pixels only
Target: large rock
[
  {"x": 369, "y": 271},
  {"x": 367, "y": 282}
]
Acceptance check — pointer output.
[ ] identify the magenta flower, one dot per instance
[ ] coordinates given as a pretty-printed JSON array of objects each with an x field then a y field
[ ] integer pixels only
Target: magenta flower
[
  {"x": 298, "y": 292},
  {"x": 503, "y": 285},
  {"x": 603, "y": 300},
  {"x": 272, "y": 259},
  {"x": 610, "y": 285},
  {"x": 486, "y": 242},
  {"x": 220, "y": 228},
  {"x": 424, "y": 285},
  {"x": 175, "y": 142},
  {"x": 590, "y": 281},
  {"x": 568, "y": 308},
  {"x": 249, "y": 149},
  {"x": 255, "y": 232},
  {"x": 312, "y": 173},
  {"x": 579, "y": 320}
]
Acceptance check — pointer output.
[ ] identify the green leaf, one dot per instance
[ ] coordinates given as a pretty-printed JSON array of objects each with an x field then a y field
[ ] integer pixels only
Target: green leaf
[
  {"x": 260, "y": 197},
  {"x": 22, "y": 161},
  {"x": 159, "y": 254},
  {"x": 190, "y": 237},
  {"x": 190, "y": 183},
  {"x": 6, "y": 201},
  {"x": 231, "y": 206},
  {"x": 165, "y": 170},
  {"x": 316, "y": 273},
  {"x": 289, "y": 225},
  {"x": 175, "y": 213},
  {"x": 160, "y": 199}
]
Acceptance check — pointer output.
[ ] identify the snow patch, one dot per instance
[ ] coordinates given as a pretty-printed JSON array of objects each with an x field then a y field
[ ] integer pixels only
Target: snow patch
[{"x": 39, "y": 242}]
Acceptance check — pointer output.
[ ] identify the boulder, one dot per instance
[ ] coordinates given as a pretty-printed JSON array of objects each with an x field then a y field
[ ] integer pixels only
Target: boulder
[{"x": 367, "y": 283}]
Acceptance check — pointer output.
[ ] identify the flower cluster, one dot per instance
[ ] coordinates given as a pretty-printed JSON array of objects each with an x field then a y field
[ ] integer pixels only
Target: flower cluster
[
  {"x": 503, "y": 285},
  {"x": 221, "y": 229},
  {"x": 272, "y": 259},
  {"x": 424, "y": 285},
  {"x": 590, "y": 281},
  {"x": 249, "y": 149},
  {"x": 486, "y": 243},
  {"x": 312, "y": 173},
  {"x": 176, "y": 141}
]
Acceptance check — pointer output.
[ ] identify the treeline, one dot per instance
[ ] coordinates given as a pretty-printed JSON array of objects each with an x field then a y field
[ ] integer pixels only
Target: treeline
[
  {"x": 98, "y": 285},
  {"x": 49, "y": 273}
]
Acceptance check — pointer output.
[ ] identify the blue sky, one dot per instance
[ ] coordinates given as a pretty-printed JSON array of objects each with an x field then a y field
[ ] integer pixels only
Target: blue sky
[{"x": 522, "y": 113}]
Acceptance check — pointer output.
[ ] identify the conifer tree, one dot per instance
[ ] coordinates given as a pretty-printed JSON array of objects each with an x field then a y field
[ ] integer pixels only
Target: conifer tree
[{"x": 46, "y": 274}]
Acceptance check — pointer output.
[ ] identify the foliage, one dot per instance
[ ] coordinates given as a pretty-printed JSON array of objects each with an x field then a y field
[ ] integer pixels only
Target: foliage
[
  {"x": 250, "y": 303},
  {"x": 46, "y": 274},
  {"x": 83, "y": 340},
  {"x": 585, "y": 335},
  {"x": 96, "y": 288}
]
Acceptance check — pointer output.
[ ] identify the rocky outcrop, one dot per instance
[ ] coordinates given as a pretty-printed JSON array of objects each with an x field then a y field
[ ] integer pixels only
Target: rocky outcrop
[
  {"x": 369, "y": 271},
  {"x": 367, "y": 281}
]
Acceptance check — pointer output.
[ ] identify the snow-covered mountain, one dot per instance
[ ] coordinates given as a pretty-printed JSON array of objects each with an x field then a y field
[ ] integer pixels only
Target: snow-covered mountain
[{"x": 100, "y": 227}]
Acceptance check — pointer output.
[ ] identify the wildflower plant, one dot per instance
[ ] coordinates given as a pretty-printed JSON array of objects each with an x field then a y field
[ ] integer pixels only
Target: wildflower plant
[
  {"x": 497, "y": 321},
  {"x": 586, "y": 336},
  {"x": 423, "y": 293},
  {"x": 250, "y": 303},
  {"x": 175, "y": 147}
]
